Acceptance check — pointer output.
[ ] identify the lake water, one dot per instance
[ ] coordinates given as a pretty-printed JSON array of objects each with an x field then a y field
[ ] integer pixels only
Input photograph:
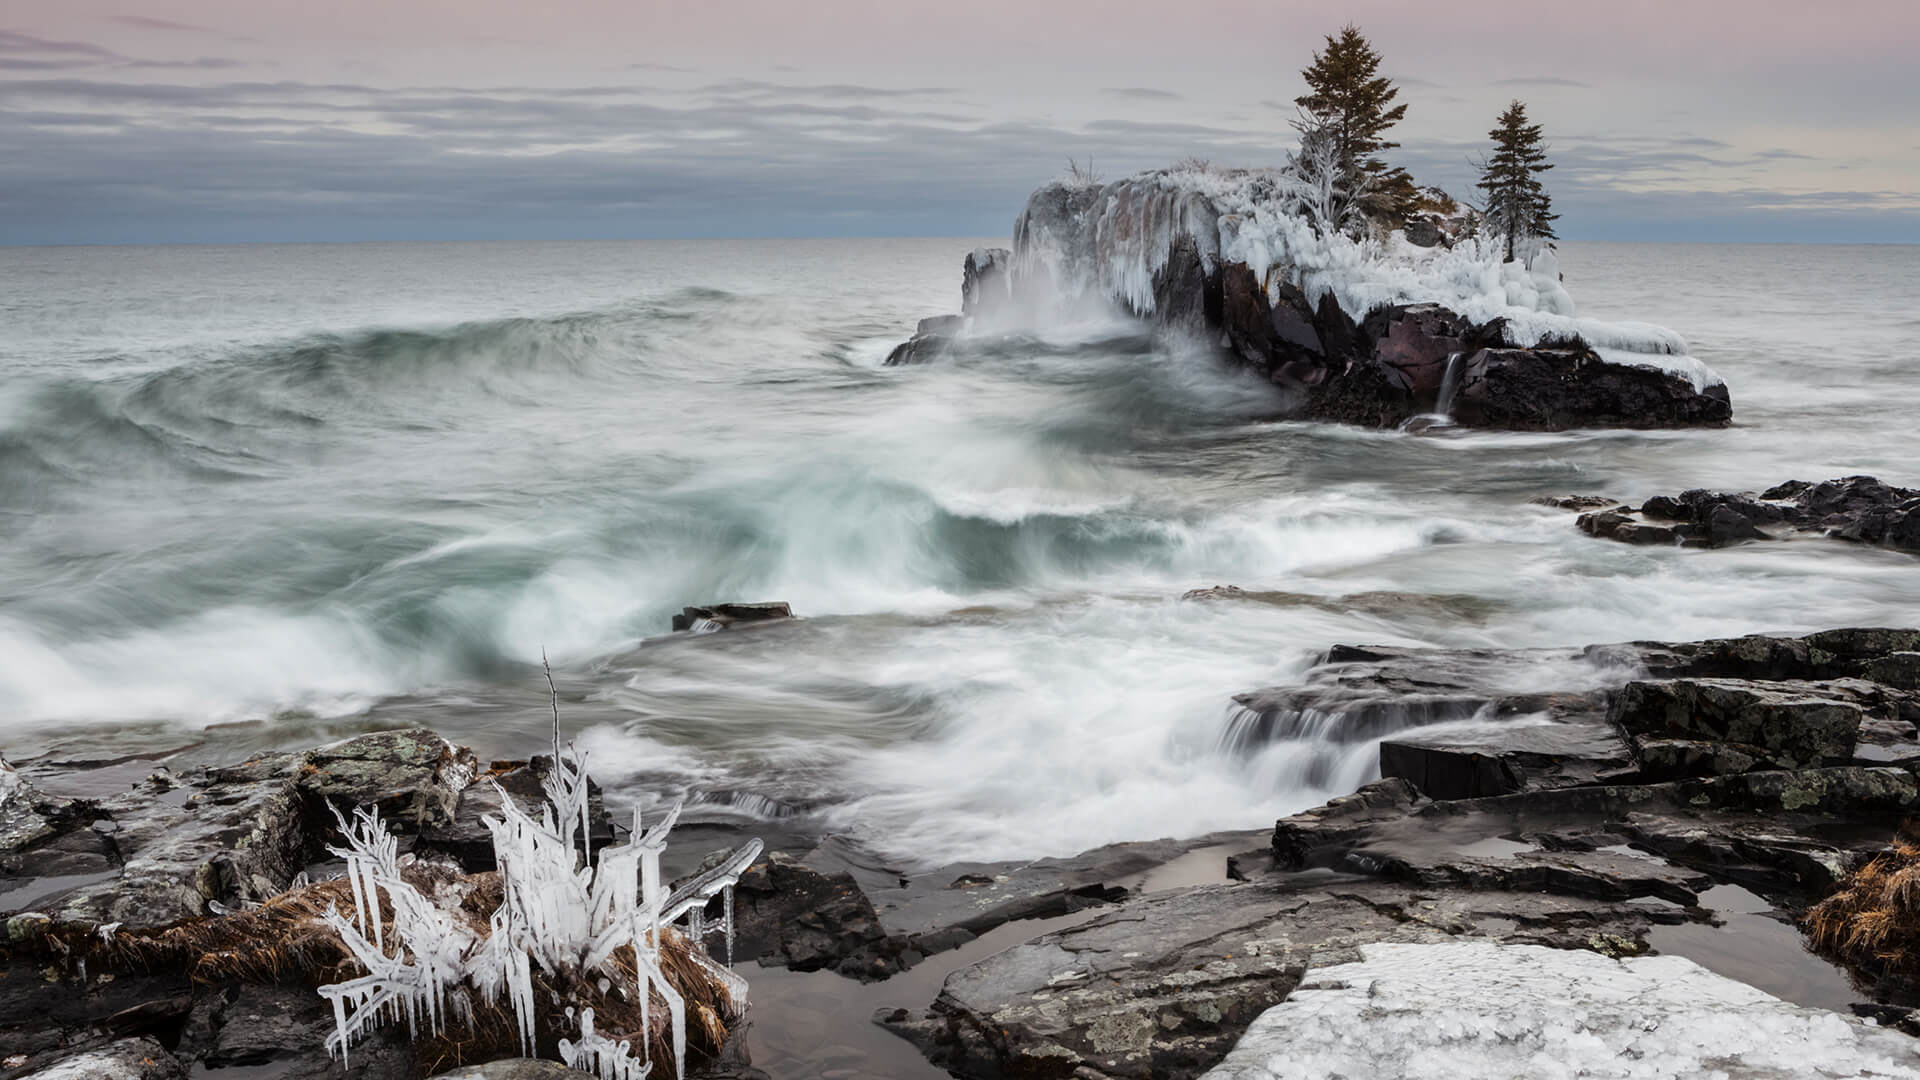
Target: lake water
[{"x": 265, "y": 495}]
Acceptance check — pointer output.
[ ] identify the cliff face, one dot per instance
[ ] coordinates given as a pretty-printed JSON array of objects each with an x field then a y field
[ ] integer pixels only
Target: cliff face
[{"x": 1361, "y": 331}]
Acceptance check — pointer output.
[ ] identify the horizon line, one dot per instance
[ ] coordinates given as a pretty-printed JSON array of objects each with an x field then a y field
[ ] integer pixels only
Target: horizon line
[{"x": 11, "y": 246}]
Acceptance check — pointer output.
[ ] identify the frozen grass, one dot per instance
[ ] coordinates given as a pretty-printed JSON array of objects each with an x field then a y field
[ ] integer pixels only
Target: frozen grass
[{"x": 569, "y": 931}]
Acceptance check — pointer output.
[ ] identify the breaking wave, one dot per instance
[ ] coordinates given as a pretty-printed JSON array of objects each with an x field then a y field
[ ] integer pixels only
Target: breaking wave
[{"x": 370, "y": 486}]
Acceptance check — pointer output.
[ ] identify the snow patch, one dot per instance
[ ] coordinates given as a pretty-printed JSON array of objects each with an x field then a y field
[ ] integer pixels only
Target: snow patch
[{"x": 1480, "y": 1011}]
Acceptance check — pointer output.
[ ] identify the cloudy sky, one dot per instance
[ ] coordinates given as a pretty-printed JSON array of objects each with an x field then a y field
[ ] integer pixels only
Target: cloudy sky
[{"x": 223, "y": 120}]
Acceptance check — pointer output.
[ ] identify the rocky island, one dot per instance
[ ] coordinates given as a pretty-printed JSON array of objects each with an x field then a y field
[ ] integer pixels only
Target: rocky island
[{"x": 1372, "y": 331}]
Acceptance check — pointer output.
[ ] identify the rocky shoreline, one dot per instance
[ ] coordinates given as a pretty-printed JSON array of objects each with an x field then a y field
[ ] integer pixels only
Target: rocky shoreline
[{"x": 1625, "y": 800}]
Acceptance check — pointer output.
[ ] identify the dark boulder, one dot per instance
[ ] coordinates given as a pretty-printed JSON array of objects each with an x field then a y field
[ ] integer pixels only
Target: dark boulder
[
  {"x": 789, "y": 914},
  {"x": 1340, "y": 337},
  {"x": 932, "y": 340},
  {"x": 413, "y": 777},
  {"x": 1856, "y": 508},
  {"x": 1768, "y": 725},
  {"x": 1247, "y": 320},
  {"x": 1186, "y": 298},
  {"x": 1296, "y": 330},
  {"x": 726, "y": 616},
  {"x": 1562, "y": 387},
  {"x": 1576, "y": 502},
  {"x": 1359, "y": 392},
  {"x": 1413, "y": 343},
  {"x": 1623, "y": 526}
]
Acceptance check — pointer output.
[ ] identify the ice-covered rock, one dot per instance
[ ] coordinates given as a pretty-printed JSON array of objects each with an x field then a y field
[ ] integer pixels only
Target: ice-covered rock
[
  {"x": 1481, "y": 1011},
  {"x": 1076, "y": 242},
  {"x": 1365, "y": 330},
  {"x": 1078, "y": 247},
  {"x": 986, "y": 287}
]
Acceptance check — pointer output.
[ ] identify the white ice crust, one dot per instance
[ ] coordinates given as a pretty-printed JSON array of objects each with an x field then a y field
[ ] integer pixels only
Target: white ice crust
[
  {"x": 1480, "y": 1011},
  {"x": 1078, "y": 244}
]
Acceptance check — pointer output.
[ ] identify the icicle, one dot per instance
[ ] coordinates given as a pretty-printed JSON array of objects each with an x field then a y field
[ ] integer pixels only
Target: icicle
[{"x": 727, "y": 916}]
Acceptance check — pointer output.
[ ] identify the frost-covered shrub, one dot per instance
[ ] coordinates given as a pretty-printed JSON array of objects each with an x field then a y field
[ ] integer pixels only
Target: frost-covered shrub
[{"x": 572, "y": 928}]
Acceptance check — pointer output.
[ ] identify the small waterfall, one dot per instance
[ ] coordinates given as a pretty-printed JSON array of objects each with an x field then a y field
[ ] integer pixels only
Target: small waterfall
[
  {"x": 1450, "y": 384},
  {"x": 1335, "y": 721}
]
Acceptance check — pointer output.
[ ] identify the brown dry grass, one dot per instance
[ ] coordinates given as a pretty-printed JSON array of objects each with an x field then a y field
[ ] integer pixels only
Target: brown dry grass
[
  {"x": 283, "y": 940},
  {"x": 1873, "y": 922}
]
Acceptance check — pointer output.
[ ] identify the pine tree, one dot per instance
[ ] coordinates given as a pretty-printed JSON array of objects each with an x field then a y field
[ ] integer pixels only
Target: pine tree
[
  {"x": 1354, "y": 103},
  {"x": 1517, "y": 203}
]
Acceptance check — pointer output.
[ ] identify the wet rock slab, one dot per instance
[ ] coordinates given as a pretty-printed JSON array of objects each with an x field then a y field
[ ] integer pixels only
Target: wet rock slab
[
  {"x": 169, "y": 847},
  {"x": 838, "y": 907},
  {"x": 1501, "y": 762},
  {"x": 1164, "y": 985}
]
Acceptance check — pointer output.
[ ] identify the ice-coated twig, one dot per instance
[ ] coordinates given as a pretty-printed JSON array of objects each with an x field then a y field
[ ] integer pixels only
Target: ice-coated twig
[{"x": 429, "y": 952}]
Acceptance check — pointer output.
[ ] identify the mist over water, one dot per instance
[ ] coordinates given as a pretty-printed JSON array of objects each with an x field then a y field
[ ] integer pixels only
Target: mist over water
[{"x": 313, "y": 489}]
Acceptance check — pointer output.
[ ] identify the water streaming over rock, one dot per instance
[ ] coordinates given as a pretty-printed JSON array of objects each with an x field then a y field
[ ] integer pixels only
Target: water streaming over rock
[{"x": 1450, "y": 383}]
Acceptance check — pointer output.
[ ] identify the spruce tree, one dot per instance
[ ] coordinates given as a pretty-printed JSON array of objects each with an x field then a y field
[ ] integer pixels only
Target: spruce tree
[
  {"x": 1517, "y": 203},
  {"x": 1355, "y": 104}
]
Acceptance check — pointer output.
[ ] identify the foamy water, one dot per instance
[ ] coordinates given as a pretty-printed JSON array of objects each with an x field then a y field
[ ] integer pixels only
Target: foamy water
[{"x": 311, "y": 489}]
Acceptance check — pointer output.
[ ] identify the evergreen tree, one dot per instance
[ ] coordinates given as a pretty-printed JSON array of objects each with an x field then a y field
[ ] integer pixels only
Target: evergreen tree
[
  {"x": 1354, "y": 103},
  {"x": 1517, "y": 203}
]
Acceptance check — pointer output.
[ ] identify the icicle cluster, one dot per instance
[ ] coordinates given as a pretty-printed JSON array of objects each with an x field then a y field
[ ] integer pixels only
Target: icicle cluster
[
  {"x": 601, "y": 1056},
  {"x": 563, "y": 915}
]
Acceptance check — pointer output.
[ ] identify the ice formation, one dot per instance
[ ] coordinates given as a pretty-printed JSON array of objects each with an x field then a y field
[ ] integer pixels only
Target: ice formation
[
  {"x": 561, "y": 914},
  {"x": 1480, "y": 1011},
  {"x": 600, "y": 1056},
  {"x": 1078, "y": 245}
]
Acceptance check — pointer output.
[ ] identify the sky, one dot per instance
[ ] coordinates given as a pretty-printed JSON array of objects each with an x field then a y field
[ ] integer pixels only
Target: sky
[{"x": 273, "y": 120}]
